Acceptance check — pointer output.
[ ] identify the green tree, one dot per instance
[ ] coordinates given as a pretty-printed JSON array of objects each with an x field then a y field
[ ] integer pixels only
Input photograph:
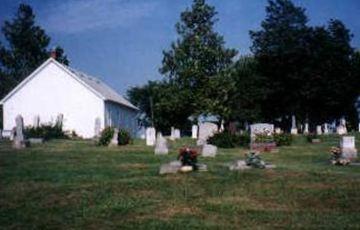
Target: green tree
[
  {"x": 197, "y": 59},
  {"x": 25, "y": 50}
]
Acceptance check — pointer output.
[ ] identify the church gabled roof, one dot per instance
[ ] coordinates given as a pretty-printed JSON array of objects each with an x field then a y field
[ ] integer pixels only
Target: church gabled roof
[{"x": 94, "y": 84}]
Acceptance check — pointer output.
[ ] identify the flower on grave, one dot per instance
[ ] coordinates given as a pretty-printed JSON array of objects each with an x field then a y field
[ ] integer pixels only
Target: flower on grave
[
  {"x": 337, "y": 158},
  {"x": 253, "y": 159},
  {"x": 188, "y": 157}
]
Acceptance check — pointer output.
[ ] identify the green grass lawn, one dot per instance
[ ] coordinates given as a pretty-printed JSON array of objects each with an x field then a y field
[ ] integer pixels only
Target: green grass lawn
[{"x": 77, "y": 185}]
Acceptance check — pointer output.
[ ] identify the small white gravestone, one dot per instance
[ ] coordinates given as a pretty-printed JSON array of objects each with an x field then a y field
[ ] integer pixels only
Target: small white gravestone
[
  {"x": 206, "y": 130},
  {"x": 261, "y": 128},
  {"x": 359, "y": 127},
  {"x": 177, "y": 134},
  {"x": 318, "y": 130},
  {"x": 97, "y": 127},
  {"x": 194, "y": 132},
  {"x": 306, "y": 128},
  {"x": 19, "y": 140},
  {"x": 222, "y": 128},
  {"x": 114, "y": 139},
  {"x": 294, "y": 129},
  {"x": 36, "y": 121},
  {"x": 150, "y": 136},
  {"x": 347, "y": 146},
  {"x": 278, "y": 130},
  {"x": 341, "y": 129},
  {"x": 326, "y": 128},
  {"x": 209, "y": 150},
  {"x": 161, "y": 147}
]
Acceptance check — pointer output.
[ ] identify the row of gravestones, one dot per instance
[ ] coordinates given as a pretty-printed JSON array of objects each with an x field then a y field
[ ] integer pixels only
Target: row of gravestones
[
  {"x": 17, "y": 133},
  {"x": 205, "y": 130},
  {"x": 347, "y": 143}
]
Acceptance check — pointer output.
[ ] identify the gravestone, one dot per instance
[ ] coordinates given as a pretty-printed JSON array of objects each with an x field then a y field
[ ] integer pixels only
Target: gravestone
[
  {"x": 359, "y": 127},
  {"x": 209, "y": 150},
  {"x": 222, "y": 128},
  {"x": 326, "y": 128},
  {"x": 347, "y": 146},
  {"x": 318, "y": 130},
  {"x": 12, "y": 134},
  {"x": 294, "y": 130},
  {"x": 194, "y": 132},
  {"x": 97, "y": 127},
  {"x": 306, "y": 128},
  {"x": 114, "y": 139},
  {"x": 278, "y": 130},
  {"x": 36, "y": 121},
  {"x": 206, "y": 130},
  {"x": 150, "y": 136},
  {"x": 341, "y": 129},
  {"x": 19, "y": 140},
  {"x": 261, "y": 129},
  {"x": 161, "y": 147},
  {"x": 170, "y": 168},
  {"x": 177, "y": 134}
]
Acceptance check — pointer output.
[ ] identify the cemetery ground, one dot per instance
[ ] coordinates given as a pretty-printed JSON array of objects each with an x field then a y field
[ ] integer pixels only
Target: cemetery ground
[{"x": 74, "y": 185}]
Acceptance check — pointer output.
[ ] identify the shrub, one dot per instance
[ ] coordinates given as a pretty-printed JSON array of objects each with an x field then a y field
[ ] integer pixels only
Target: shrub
[
  {"x": 264, "y": 138},
  {"x": 46, "y": 132},
  {"x": 228, "y": 140},
  {"x": 283, "y": 139},
  {"x": 124, "y": 137},
  {"x": 106, "y": 136}
]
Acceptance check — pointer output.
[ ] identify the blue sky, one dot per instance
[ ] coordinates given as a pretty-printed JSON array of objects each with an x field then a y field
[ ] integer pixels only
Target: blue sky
[{"x": 121, "y": 41}]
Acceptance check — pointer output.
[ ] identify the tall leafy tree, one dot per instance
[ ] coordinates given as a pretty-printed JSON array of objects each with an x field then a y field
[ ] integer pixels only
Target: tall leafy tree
[
  {"x": 280, "y": 49},
  {"x": 26, "y": 48},
  {"x": 197, "y": 59}
]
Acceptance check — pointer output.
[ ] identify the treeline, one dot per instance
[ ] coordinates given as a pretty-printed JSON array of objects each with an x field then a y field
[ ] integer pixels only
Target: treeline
[{"x": 311, "y": 72}]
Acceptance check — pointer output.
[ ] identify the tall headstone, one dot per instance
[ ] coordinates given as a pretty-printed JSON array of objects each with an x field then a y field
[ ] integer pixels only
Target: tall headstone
[
  {"x": 194, "y": 132},
  {"x": 318, "y": 130},
  {"x": 150, "y": 136},
  {"x": 347, "y": 146},
  {"x": 306, "y": 128},
  {"x": 19, "y": 140},
  {"x": 172, "y": 134},
  {"x": 359, "y": 127},
  {"x": 326, "y": 128},
  {"x": 114, "y": 139},
  {"x": 206, "y": 130},
  {"x": 97, "y": 127},
  {"x": 341, "y": 129},
  {"x": 222, "y": 128},
  {"x": 161, "y": 147},
  {"x": 36, "y": 121},
  {"x": 294, "y": 129},
  {"x": 261, "y": 128}
]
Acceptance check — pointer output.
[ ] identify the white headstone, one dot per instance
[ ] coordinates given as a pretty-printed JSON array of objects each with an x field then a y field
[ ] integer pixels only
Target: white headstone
[
  {"x": 261, "y": 128},
  {"x": 293, "y": 130},
  {"x": 97, "y": 127},
  {"x": 222, "y": 128},
  {"x": 150, "y": 136},
  {"x": 326, "y": 128},
  {"x": 36, "y": 121},
  {"x": 161, "y": 147},
  {"x": 19, "y": 140},
  {"x": 359, "y": 127},
  {"x": 194, "y": 132},
  {"x": 206, "y": 130},
  {"x": 114, "y": 139},
  {"x": 277, "y": 130},
  {"x": 177, "y": 134},
  {"x": 306, "y": 128},
  {"x": 209, "y": 150},
  {"x": 347, "y": 145},
  {"x": 318, "y": 130}
]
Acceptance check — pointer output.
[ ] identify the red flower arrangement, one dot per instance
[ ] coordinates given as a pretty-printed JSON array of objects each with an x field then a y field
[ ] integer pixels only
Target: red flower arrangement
[{"x": 188, "y": 157}]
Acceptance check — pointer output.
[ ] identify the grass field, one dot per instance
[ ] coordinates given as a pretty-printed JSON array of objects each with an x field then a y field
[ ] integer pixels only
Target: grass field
[{"x": 77, "y": 185}]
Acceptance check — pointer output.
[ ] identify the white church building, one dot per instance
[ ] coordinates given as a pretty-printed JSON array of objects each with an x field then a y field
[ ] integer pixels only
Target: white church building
[{"x": 54, "y": 89}]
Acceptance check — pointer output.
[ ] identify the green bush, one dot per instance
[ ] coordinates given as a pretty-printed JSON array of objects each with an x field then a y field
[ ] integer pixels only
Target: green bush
[
  {"x": 264, "y": 138},
  {"x": 283, "y": 139},
  {"x": 124, "y": 137},
  {"x": 228, "y": 140},
  {"x": 106, "y": 136},
  {"x": 46, "y": 132}
]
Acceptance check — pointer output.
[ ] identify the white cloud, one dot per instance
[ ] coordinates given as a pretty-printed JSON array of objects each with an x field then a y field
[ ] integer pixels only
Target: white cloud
[{"x": 73, "y": 16}]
